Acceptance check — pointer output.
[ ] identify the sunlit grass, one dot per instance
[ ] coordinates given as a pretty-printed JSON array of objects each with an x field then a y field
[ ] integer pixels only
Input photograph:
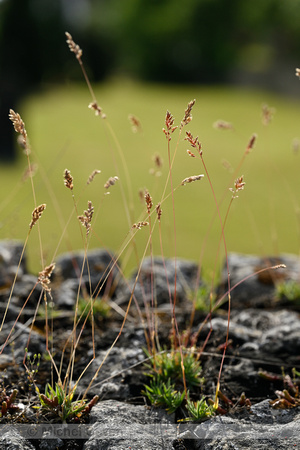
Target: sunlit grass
[{"x": 64, "y": 133}]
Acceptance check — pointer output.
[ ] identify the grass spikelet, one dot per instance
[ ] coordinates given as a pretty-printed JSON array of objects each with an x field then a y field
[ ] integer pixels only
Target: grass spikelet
[
  {"x": 239, "y": 185},
  {"x": 194, "y": 142},
  {"x": 267, "y": 114},
  {"x": 135, "y": 123},
  {"x": 170, "y": 128},
  {"x": 148, "y": 201},
  {"x": 139, "y": 225},
  {"x": 19, "y": 127},
  {"x": 158, "y": 211},
  {"x": 92, "y": 176},
  {"x": 297, "y": 73},
  {"x": 68, "y": 179},
  {"x": 44, "y": 277},
  {"x": 251, "y": 143},
  {"x": 74, "y": 48},
  {"x": 86, "y": 218},
  {"x": 98, "y": 110},
  {"x": 187, "y": 115},
  {"x": 191, "y": 179},
  {"x": 36, "y": 214},
  {"x": 222, "y": 125},
  {"x": 110, "y": 182}
]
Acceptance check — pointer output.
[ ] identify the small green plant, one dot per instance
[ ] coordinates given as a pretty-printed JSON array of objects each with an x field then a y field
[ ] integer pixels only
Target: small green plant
[
  {"x": 199, "y": 410},
  {"x": 101, "y": 308},
  {"x": 204, "y": 298},
  {"x": 7, "y": 405},
  {"x": 164, "y": 394},
  {"x": 62, "y": 405},
  {"x": 168, "y": 365},
  {"x": 290, "y": 290}
]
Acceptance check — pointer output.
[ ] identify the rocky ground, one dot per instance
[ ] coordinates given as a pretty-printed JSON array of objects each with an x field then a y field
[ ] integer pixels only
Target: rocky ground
[{"x": 264, "y": 348}]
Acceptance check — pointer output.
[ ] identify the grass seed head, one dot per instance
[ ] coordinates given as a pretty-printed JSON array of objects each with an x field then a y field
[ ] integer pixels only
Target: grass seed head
[
  {"x": 110, "y": 182},
  {"x": 191, "y": 179},
  {"x": 36, "y": 214},
  {"x": 222, "y": 125},
  {"x": 139, "y": 225},
  {"x": 44, "y": 277},
  {"x": 188, "y": 114},
  {"x": 135, "y": 123},
  {"x": 68, "y": 179},
  {"x": 251, "y": 143},
  {"x": 170, "y": 128},
  {"x": 148, "y": 201},
  {"x": 194, "y": 142},
  {"x": 298, "y": 73},
  {"x": 158, "y": 211},
  {"x": 86, "y": 218},
  {"x": 73, "y": 47},
  {"x": 98, "y": 110},
  {"x": 19, "y": 127},
  {"x": 92, "y": 176}
]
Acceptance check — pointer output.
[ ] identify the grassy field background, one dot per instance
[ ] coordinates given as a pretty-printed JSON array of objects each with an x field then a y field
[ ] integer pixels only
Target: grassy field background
[{"x": 64, "y": 133}]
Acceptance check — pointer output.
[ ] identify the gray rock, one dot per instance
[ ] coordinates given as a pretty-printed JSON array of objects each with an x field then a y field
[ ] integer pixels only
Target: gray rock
[
  {"x": 163, "y": 279},
  {"x": 12, "y": 440},
  {"x": 263, "y": 428},
  {"x": 258, "y": 289},
  {"x": 117, "y": 426},
  {"x": 10, "y": 253}
]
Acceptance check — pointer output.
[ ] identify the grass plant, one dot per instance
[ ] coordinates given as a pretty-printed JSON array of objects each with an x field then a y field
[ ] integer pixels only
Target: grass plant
[{"x": 152, "y": 223}]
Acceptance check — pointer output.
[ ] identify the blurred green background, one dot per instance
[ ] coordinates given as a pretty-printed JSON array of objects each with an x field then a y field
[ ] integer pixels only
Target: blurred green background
[{"x": 144, "y": 58}]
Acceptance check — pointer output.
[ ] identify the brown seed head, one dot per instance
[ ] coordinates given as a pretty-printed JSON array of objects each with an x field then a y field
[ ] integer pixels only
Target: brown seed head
[
  {"x": 92, "y": 176},
  {"x": 98, "y": 110},
  {"x": 239, "y": 185},
  {"x": 187, "y": 116},
  {"x": 191, "y": 179},
  {"x": 222, "y": 125},
  {"x": 170, "y": 128},
  {"x": 19, "y": 127},
  {"x": 68, "y": 179},
  {"x": 148, "y": 201},
  {"x": 110, "y": 182},
  {"x": 73, "y": 47},
  {"x": 267, "y": 114},
  {"x": 135, "y": 123},
  {"x": 44, "y": 277},
  {"x": 86, "y": 219},
  {"x": 194, "y": 142},
  {"x": 139, "y": 225},
  {"x": 158, "y": 211},
  {"x": 36, "y": 214},
  {"x": 251, "y": 143},
  {"x": 298, "y": 73}
]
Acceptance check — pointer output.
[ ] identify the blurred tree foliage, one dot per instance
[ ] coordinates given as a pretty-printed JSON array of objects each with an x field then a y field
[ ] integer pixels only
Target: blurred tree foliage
[{"x": 158, "y": 40}]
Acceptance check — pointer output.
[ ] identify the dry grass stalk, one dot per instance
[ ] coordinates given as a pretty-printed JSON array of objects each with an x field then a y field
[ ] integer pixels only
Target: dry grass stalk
[
  {"x": 19, "y": 127},
  {"x": 92, "y": 176},
  {"x": 251, "y": 143},
  {"x": 158, "y": 211},
  {"x": 68, "y": 179},
  {"x": 222, "y": 125},
  {"x": 140, "y": 225},
  {"x": 194, "y": 142},
  {"x": 188, "y": 116},
  {"x": 135, "y": 123},
  {"x": 110, "y": 182},
  {"x": 44, "y": 277},
  {"x": 86, "y": 219},
  {"x": 98, "y": 110},
  {"x": 191, "y": 179},
  {"x": 36, "y": 214},
  {"x": 170, "y": 128},
  {"x": 148, "y": 201},
  {"x": 73, "y": 47}
]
